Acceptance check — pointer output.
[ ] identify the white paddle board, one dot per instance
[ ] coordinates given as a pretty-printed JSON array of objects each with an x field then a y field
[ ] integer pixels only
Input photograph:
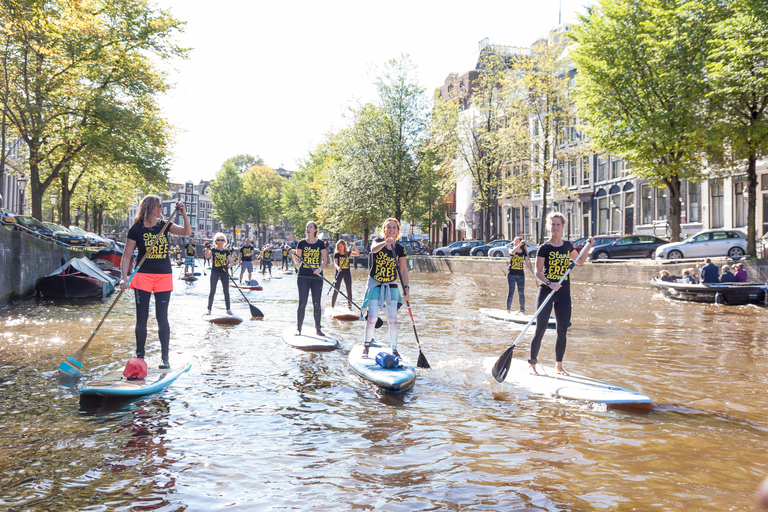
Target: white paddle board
[
  {"x": 114, "y": 384},
  {"x": 308, "y": 340},
  {"x": 572, "y": 386},
  {"x": 393, "y": 380},
  {"x": 222, "y": 319},
  {"x": 516, "y": 317}
]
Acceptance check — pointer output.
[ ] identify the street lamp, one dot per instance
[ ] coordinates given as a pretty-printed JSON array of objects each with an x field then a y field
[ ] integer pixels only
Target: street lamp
[
  {"x": 569, "y": 202},
  {"x": 77, "y": 216},
  {"x": 54, "y": 198},
  {"x": 22, "y": 183}
]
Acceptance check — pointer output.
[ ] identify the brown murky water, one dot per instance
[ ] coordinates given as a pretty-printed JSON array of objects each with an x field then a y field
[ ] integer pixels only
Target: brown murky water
[{"x": 256, "y": 425}]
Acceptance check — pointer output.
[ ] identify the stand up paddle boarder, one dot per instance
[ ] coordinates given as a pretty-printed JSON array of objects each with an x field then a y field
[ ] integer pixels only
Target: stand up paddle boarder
[
  {"x": 314, "y": 252},
  {"x": 341, "y": 262},
  {"x": 552, "y": 262},
  {"x": 518, "y": 261},
  {"x": 155, "y": 274},
  {"x": 382, "y": 287},
  {"x": 246, "y": 260},
  {"x": 189, "y": 260},
  {"x": 221, "y": 261}
]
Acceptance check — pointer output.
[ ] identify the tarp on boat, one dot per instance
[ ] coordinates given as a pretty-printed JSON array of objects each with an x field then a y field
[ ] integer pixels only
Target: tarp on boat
[{"x": 79, "y": 277}]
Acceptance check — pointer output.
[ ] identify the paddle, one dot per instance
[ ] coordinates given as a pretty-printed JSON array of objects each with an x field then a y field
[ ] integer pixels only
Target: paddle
[
  {"x": 379, "y": 322},
  {"x": 255, "y": 312},
  {"x": 71, "y": 365},
  {"x": 335, "y": 277},
  {"x": 501, "y": 367},
  {"x": 421, "y": 362}
]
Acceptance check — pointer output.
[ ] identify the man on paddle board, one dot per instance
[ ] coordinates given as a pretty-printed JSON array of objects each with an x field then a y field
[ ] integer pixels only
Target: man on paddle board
[
  {"x": 189, "y": 260},
  {"x": 246, "y": 259},
  {"x": 315, "y": 254},
  {"x": 518, "y": 261},
  {"x": 155, "y": 274},
  {"x": 388, "y": 258},
  {"x": 341, "y": 262},
  {"x": 221, "y": 262},
  {"x": 552, "y": 261}
]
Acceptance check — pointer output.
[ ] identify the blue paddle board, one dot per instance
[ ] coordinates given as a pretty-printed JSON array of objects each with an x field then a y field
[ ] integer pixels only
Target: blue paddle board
[
  {"x": 114, "y": 384},
  {"x": 393, "y": 380}
]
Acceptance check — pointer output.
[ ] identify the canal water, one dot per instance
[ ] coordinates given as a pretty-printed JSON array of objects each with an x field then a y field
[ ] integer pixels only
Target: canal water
[{"x": 256, "y": 425}]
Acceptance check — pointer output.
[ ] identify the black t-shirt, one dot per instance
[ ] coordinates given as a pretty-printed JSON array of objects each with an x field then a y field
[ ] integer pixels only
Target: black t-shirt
[
  {"x": 342, "y": 260},
  {"x": 385, "y": 261},
  {"x": 219, "y": 261},
  {"x": 190, "y": 248},
  {"x": 157, "y": 261},
  {"x": 517, "y": 262},
  {"x": 556, "y": 260},
  {"x": 266, "y": 254},
  {"x": 310, "y": 253},
  {"x": 246, "y": 252}
]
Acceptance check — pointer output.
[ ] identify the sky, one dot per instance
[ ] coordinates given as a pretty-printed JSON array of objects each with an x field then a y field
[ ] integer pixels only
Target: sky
[{"x": 272, "y": 79}]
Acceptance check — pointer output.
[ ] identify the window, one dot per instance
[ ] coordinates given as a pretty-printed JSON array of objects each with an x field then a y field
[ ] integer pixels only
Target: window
[
  {"x": 694, "y": 192},
  {"x": 616, "y": 213},
  {"x": 661, "y": 204},
  {"x": 602, "y": 219},
  {"x": 764, "y": 182},
  {"x": 740, "y": 203},
  {"x": 602, "y": 168},
  {"x": 573, "y": 173},
  {"x": 646, "y": 203},
  {"x": 616, "y": 168},
  {"x": 716, "y": 202},
  {"x": 526, "y": 212},
  {"x": 629, "y": 212},
  {"x": 586, "y": 170}
]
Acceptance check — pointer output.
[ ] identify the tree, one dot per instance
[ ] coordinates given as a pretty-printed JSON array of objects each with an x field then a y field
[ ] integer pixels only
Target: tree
[
  {"x": 261, "y": 196},
  {"x": 74, "y": 70},
  {"x": 243, "y": 163},
  {"x": 641, "y": 88},
  {"x": 227, "y": 196},
  {"x": 737, "y": 121}
]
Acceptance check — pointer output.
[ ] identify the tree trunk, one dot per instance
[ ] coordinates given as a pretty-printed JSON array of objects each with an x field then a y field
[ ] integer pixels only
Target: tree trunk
[
  {"x": 673, "y": 185},
  {"x": 65, "y": 200},
  {"x": 751, "y": 204},
  {"x": 543, "y": 214}
]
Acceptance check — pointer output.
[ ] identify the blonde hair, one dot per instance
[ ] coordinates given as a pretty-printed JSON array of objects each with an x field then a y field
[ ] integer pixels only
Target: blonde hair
[
  {"x": 146, "y": 205},
  {"x": 219, "y": 235},
  {"x": 552, "y": 215},
  {"x": 384, "y": 227},
  {"x": 340, "y": 243}
]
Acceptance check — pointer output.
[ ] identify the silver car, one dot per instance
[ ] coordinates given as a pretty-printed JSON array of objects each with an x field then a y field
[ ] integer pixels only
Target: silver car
[
  {"x": 503, "y": 251},
  {"x": 712, "y": 242}
]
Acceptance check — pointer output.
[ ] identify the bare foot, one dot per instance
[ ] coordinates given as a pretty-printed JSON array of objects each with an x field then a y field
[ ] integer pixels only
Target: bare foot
[
  {"x": 559, "y": 370},
  {"x": 532, "y": 370}
]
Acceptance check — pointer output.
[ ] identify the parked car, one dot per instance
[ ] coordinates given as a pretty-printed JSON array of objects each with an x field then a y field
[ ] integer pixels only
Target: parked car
[
  {"x": 7, "y": 218},
  {"x": 468, "y": 245},
  {"x": 360, "y": 244},
  {"x": 503, "y": 251},
  {"x": 482, "y": 250},
  {"x": 413, "y": 247},
  {"x": 633, "y": 246},
  {"x": 33, "y": 226},
  {"x": 66, "y": 236},
  {"x": 445, "y": 251},
  {"x": 712, "y": 242},
  {"x": 599, "y": 240},
  {"x": 94, "y": 240}
]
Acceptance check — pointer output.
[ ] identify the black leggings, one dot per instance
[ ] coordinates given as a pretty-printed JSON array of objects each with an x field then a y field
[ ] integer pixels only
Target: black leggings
[
  {"x": 215, "y": 276},
  {"x": 346, "y": 276},
  {"x": 142, "y": 315},
  {"x": 561, "y": 301},
  {"x": 305, "y": 284}
]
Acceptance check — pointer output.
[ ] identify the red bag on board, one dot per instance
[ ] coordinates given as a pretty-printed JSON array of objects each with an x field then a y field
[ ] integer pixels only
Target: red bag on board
[{"x": 135, "y": 369}]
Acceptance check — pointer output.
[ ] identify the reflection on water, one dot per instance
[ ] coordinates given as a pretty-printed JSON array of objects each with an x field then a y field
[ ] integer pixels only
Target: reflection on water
[{"x": 257, "y": 425}]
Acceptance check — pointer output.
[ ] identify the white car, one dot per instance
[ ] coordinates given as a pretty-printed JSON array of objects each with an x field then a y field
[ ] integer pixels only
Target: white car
[
  {"x": 712, "y": 242},
  {"x": 445, "y": 251},
  {"x": 503, "y": 251}
]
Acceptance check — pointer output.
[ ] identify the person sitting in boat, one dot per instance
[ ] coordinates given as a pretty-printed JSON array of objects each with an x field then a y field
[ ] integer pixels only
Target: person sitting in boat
[
  {"x": 221, "y": 261},
  {"x": 727, "y": 276},
  {"x": 518, "y": 262},
  {"x": 688, "y": 276},
  {"x": 664, "y": 276},
  {"x": 189, "y": 261},
  {"x": 388, "y": 259},
  {"x": 740, "y": 274},
  {"x": 247, "y": 252},
  {"x": 709, "y": 272}
]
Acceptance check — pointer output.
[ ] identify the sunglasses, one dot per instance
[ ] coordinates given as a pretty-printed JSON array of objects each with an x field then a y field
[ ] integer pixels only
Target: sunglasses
[{"x": 220, "y": 240}]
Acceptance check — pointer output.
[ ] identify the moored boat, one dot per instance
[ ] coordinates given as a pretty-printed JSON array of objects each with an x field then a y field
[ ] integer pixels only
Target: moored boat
[
  {"x": 78, "y": 278},
  {"x": 732, "y": 294}
]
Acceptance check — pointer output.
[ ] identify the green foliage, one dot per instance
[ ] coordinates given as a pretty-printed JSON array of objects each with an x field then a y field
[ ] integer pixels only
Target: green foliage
[
  {"x": 261, "y": 196},
  {"x": 300, "y": 197},
  {"x": 227, "y": 196}
]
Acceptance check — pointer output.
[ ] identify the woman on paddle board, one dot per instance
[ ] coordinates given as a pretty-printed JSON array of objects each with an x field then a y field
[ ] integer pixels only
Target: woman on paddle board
[
  {"x": 221, "y": 261},
  {"x": 388, "y": 259},
  {"x": 155, "y": 274},
  {"x": 518, "y": 261},
  {"x": 552, "y": 261},
  {"x": 341, "y": 262},
  {"x": 315, "y": 254}
]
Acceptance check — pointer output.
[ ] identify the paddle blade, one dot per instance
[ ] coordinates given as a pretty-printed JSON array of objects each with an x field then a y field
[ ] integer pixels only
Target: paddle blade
[
  {"x": 70, "y": 367},
  {"x": 379, "y": 322},
  {"x": 421, "y": 362},
  {"x": 500, "y": 369},
  {"x": 256, "y": 312}
]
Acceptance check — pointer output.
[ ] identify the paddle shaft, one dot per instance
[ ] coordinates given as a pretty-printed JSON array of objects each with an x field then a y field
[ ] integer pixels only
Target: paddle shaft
[
  {"x": 327, "y": 281},
  {"x": 79, "y": 354},
  {"x": 255, "y": 312}
]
